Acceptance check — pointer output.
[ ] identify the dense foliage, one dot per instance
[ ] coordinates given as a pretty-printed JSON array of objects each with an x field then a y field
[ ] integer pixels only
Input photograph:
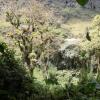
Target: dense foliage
[
  {"x": 14, "y": 80},
  {"x": 33, "y": 74}
]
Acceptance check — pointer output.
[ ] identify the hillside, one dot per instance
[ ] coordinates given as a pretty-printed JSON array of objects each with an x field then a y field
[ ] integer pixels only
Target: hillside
[
  {"x": 73, "y": 14},
  {"x": 68, "y": 11}
]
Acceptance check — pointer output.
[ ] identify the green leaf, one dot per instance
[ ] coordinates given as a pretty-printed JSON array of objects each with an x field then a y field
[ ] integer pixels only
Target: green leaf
[{"x": 82, "y": 2}]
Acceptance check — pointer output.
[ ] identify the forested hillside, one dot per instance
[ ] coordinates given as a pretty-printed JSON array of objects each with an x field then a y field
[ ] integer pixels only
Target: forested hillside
[{"x": 49, "y": 49}]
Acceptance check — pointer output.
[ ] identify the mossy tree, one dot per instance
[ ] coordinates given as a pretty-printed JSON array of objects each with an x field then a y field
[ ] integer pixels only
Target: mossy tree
[
  {"x": 93, "y": 47},
  {"x": 27, "y": 26}
]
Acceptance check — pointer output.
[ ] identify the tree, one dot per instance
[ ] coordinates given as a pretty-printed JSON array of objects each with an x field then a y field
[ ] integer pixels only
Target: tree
[
  {"x": 27, "y": 26},
  {"x": 93, "y": 47},
  {"x": 23, "y": 37}
]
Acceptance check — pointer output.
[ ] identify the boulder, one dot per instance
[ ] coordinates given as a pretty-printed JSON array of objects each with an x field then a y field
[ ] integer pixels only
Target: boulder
[{"x": 68, "y": 54}]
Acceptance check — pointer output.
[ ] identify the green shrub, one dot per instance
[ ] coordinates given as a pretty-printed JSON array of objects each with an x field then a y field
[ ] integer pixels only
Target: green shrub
[
  {"x": 52, "y": 78},
  {"x": 14, "y": 80}
]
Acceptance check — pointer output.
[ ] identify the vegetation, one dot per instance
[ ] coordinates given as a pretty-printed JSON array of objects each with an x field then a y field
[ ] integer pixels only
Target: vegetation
[{"x": 41, "y": 60}]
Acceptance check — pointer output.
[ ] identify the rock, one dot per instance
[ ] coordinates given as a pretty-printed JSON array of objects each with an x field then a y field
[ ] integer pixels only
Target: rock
[
  {"x": 69, "y": 42},
  {"x": 68, "y": 54}
]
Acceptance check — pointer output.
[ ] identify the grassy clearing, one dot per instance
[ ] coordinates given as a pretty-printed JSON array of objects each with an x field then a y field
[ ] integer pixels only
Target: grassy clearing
[
  {"x": 78, "y": 19},
  {"x": 76, "y": 26}
]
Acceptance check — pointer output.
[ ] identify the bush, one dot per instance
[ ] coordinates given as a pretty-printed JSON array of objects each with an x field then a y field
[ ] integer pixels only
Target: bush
[
  {"x": 14, "y": 80},
  {"x": 51, "y": 77},
  {"x": 15, "y": 83}
]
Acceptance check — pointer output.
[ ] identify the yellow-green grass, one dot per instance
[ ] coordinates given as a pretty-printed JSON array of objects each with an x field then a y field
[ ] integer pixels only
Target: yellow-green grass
[{"x": 4, "y": 24}]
